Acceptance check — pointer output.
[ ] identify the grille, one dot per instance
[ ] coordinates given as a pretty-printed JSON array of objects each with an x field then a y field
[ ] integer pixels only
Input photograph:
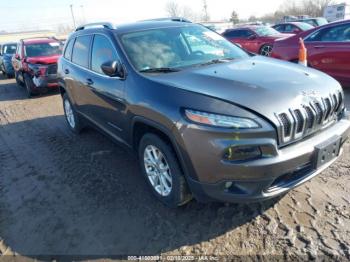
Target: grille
[
  {"x": 52, "y": 69},
  {"x": 296, "y": 123}
]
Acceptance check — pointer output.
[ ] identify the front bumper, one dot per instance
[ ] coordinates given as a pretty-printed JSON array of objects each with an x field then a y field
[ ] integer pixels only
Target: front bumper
[
  {"x": 45, "y": 82},
  {"x": 255, "y": 180},
  {"x": 8, "y": 68}
]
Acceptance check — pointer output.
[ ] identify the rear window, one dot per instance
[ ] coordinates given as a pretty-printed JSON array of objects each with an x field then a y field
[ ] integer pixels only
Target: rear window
[
  {"x": 69, "y": 49},
  {"x": 81, "y": 51},
  {"x": 43, "y": 49}
]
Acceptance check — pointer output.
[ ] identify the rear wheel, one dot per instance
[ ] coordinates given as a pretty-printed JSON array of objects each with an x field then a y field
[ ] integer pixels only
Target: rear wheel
[
  {"x": 162, "y": 172},
  {"x": 72, "y": 117},
  {"x": 266, "y": 50}
]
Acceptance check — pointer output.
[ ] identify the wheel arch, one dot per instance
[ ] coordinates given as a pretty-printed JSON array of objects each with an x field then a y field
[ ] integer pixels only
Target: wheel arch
[{"x": 142, "y": 126}]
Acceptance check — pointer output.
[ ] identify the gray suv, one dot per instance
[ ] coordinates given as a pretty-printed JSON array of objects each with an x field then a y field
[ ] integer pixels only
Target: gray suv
[{"x": 206, "y": 119}]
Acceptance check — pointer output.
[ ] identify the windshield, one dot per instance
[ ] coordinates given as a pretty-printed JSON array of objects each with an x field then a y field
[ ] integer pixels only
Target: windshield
[
  {"x": 43, "y": 49},
  {"x": 305, "y": 26},
  {"x": 10, "y": 49},
  {"x": 177, "y": 47},
  {"x": 266, "y": 31}
]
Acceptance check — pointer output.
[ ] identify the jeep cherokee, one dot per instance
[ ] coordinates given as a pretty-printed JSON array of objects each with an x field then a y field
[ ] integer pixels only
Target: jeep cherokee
[{"x": 206, "y": 118}]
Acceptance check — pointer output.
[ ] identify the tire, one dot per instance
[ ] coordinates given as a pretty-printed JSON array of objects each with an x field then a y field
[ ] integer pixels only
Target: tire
[
  {"x": 72, "y": 117},
  {"x": 179, "y": 193},
  {"x": 19, "y": 83},
  {"x": 29, "y": 85},
  {"x": 266, "y": 50}
]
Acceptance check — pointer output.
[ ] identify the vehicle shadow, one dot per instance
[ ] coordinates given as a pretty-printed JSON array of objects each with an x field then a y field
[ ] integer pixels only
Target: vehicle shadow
[
  {"x": 15, "y": 92},
  {"x": 84, "y": 196}
]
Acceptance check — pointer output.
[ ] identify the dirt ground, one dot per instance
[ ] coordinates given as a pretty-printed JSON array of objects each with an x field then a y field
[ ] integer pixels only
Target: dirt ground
[{"x": 83, "y": 195}]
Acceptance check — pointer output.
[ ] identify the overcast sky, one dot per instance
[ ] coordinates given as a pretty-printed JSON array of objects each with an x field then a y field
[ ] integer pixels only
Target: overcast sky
[{"x": 39, "y": 14}]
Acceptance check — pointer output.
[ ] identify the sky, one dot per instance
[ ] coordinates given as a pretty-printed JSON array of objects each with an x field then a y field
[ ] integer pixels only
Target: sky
[{"x": 20, "y": 15}]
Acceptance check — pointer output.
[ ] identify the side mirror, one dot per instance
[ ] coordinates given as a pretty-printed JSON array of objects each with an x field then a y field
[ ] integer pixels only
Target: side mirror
[
  {"x": 113, "y": 68},
  {"x": 17, "y": 56},
  {"x": 296, "y": 31},
  {"x": 252, "y": 37}
]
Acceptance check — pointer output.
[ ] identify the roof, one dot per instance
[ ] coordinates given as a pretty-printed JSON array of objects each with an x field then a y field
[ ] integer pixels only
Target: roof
[{"x": 39, "y": 40}]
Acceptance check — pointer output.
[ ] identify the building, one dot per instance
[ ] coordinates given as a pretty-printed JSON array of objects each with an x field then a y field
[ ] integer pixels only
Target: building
[{"x": 337, "y": 12}]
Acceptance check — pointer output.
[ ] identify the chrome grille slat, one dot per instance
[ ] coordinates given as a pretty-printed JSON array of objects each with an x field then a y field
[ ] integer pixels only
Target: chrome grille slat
[{"x": 296, "y": 123}]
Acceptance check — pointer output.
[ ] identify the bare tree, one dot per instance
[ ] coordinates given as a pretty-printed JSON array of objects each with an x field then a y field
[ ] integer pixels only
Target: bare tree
[
  {"x": 173, "y": 9},
  {"x": 234, "y": 17}
]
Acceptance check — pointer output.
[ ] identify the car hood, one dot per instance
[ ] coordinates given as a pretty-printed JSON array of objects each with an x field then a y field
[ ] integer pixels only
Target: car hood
[
  {"x": 43, "y": 59},
  {"x": 264, "y": 85}
]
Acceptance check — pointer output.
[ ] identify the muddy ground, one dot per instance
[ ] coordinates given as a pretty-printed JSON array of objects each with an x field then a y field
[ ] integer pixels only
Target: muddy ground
[{"x": 83, "y": 195}]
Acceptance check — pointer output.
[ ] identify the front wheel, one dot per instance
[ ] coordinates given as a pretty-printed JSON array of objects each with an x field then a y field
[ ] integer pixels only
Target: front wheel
[
  {"x": 161, "y": 169},
  {"x": 72, "y": 117},
  {"x": 19, "y": 83},
  {"x": 266, "y": 50}
]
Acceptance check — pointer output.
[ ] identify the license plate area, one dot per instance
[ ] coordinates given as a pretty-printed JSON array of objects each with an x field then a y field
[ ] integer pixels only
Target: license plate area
[{"x": 327, "y": 151}]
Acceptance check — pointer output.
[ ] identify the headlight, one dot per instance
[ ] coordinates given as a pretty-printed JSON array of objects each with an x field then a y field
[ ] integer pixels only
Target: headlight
[{"x": 220, "y": 120}]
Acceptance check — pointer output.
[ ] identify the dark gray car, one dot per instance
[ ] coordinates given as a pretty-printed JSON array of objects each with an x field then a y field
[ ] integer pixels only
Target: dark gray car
[
  {"x": 7, "y": 50},
  {"x": 206, "y": 118}
]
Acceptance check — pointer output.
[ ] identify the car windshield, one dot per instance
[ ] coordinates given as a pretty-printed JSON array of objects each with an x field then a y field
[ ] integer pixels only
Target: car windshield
[
  {"x": 10, "y": 49},
  {"x": 305, "y": 26},
  {"x": 266, "y": 31},
  {"x": 178, "y": 47},
  {"x": 43, "y": 49}
]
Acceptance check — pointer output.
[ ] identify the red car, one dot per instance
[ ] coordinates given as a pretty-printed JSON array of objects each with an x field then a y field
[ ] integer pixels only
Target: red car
[
  {"x": 255, "y": 39},
  {"x": 35, "y": 64},
  {"x": 328, "y": 49},
  {"x": 292, "y": 27}
]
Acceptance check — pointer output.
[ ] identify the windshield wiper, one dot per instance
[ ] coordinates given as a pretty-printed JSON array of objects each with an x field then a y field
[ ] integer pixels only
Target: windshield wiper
[
  {"x": 159, "y": 70},
  {"x": 216, "y": 61}
]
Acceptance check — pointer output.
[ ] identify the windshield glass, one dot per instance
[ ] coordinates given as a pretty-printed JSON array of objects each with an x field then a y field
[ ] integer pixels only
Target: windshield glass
[
  {"x": 43, "y": 49},
  {"x": 266, "y": 31},
  {"x": 177, "y": 47},
  {"x": 10, "y": 49},
  {"x": 305, "y": 26}
]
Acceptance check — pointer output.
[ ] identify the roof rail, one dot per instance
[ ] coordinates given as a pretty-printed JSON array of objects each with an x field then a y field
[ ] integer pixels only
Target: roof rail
[
  {"x": 101, "y": 24},
  {"x": 174, "y": 19}
]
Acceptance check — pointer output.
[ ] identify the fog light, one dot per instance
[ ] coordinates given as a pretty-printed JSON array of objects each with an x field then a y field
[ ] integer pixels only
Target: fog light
[{"x": 242, "y": 153}]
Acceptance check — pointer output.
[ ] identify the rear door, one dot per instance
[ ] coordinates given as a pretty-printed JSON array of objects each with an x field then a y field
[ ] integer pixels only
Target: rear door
[
  {"x": 328, "y": 51},
  {"x": 78, "y": 72}
]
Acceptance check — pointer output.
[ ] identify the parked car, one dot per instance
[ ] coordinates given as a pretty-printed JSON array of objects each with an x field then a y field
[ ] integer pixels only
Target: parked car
[
  {"x": 35, "y": 64},
  {"x": 6, "y": 52},
  {"x": 292, "y": 27},
  {"x": 255, "y": 39},
  {"x": 328, "y": 49},
  {"x": 318, "y": 21},
  {"x": 203, "y": 124}
]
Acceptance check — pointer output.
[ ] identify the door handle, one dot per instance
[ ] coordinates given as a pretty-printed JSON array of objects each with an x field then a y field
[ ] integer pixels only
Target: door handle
[
  {"x": 319, "y": 46},
  {"x": 66, "y": 71},
  {"x": 89, "y": 82}
]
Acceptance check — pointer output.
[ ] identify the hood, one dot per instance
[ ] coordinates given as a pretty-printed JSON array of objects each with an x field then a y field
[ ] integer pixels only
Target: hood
[
  {"x": 43, "y": 59},
  {"x": 264, "y": 85}
]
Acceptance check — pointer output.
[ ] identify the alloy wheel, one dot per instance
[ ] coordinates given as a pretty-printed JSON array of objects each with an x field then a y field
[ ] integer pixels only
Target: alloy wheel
[
  {"x": 69, "y": 113},
  {"x": 157, "y": 170},
  {"x": 266, "y": 50}
]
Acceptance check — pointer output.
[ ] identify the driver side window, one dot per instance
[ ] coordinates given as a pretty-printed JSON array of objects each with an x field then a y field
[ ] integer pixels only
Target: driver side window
[{"x": 102, "y": 52}]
